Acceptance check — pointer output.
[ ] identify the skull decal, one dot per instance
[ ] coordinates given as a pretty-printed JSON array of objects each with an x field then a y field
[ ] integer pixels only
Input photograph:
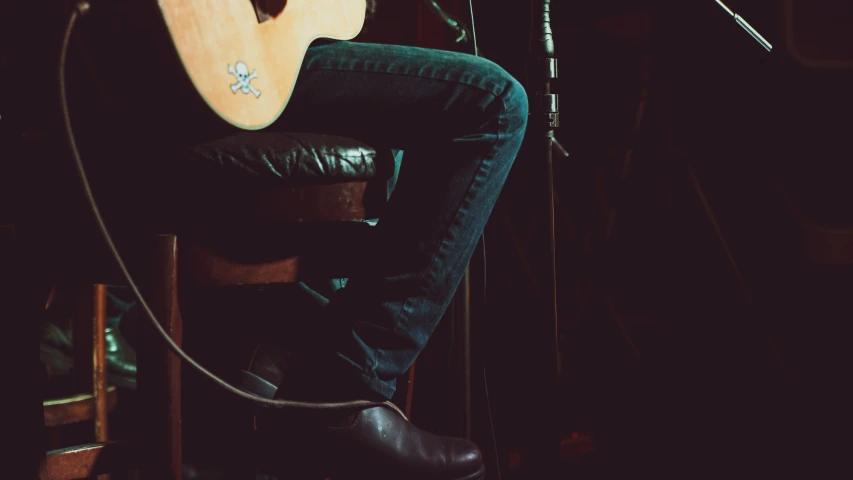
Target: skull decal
[{"x": 244, "y": 79}]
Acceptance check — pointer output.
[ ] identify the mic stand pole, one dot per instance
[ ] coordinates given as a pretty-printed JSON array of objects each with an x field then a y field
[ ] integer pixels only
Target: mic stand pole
[{"x": 545, "y": 117}]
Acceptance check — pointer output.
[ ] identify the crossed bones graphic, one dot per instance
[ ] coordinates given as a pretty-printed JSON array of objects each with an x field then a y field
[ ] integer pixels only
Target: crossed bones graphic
[{"x": 244, "y": 79}]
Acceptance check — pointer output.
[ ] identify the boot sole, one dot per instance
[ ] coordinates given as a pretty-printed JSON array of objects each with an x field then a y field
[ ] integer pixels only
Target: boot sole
[{"x": 476, "y": 476}]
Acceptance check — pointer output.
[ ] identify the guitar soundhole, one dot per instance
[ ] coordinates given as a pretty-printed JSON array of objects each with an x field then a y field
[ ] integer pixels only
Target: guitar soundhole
[{"x": 268, "y": 9}]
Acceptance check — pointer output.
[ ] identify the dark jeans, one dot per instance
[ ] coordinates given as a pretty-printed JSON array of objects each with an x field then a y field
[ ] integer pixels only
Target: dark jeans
[{"x": 460, "y": 121}]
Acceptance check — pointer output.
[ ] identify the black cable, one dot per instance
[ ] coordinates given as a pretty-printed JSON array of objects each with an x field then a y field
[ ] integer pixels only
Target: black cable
[
  {"x": 80, "y": 9},
  {"x": 473, "y": 28},
  {"x": 492, "y": 423}
]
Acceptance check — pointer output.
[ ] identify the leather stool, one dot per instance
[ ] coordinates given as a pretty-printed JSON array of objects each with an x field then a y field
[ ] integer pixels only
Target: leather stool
[{"x": 303, "y": 193}]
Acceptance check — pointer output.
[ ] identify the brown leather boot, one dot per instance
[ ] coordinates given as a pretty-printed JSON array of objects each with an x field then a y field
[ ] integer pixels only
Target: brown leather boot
[{"x": 376, "y": 442}]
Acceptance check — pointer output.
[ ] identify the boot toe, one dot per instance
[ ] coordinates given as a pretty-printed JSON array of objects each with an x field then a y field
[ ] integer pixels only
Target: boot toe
[{"x": 465, "y": 459}]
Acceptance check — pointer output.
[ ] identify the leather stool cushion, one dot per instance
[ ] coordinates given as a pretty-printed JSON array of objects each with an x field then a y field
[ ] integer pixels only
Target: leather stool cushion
[
  {"x": 251, "y": 180},
  {"x": 295, "y": 159}
]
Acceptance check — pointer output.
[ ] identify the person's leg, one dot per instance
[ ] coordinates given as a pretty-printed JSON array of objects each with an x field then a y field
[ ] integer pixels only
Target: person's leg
[{"x": 460, "y": 120}]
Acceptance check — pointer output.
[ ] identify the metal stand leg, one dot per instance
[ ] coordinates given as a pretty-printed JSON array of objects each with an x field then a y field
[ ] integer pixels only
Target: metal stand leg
[{"x": 544, "y": 119}]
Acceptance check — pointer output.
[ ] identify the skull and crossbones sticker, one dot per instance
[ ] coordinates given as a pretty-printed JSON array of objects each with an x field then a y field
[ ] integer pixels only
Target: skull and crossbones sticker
[{"x": 244, "y": 79}]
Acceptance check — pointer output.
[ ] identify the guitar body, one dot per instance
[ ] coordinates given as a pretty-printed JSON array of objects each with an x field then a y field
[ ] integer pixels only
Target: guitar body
[
  {"x": 186, "y": 71},
  {"x": 222, "y": 43}
]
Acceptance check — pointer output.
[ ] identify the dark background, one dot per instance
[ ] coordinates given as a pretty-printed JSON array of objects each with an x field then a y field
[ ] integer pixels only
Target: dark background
[
  {"x": 703, "y": 325},
  {"x": 704, "y": 322}
]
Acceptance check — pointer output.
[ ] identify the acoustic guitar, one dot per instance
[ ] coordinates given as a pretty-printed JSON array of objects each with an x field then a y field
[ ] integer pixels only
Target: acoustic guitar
[{"x": 162, "y": 60}]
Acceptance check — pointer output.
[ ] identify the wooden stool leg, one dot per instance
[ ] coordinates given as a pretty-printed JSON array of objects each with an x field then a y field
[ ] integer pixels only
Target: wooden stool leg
[
  {"x": 90, "y": 354},
  {"x": 100, "y": 363},
  {"x": 159, "y": 371}
]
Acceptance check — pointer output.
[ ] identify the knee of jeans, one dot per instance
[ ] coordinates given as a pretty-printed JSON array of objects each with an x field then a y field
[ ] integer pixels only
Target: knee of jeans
[{"x": 516, "y": 103}]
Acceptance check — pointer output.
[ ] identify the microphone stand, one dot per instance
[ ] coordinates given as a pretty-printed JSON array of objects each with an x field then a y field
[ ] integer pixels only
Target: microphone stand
[
  {"x": 746, "y": 26},
  {"x": 544, "y": 118}
]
